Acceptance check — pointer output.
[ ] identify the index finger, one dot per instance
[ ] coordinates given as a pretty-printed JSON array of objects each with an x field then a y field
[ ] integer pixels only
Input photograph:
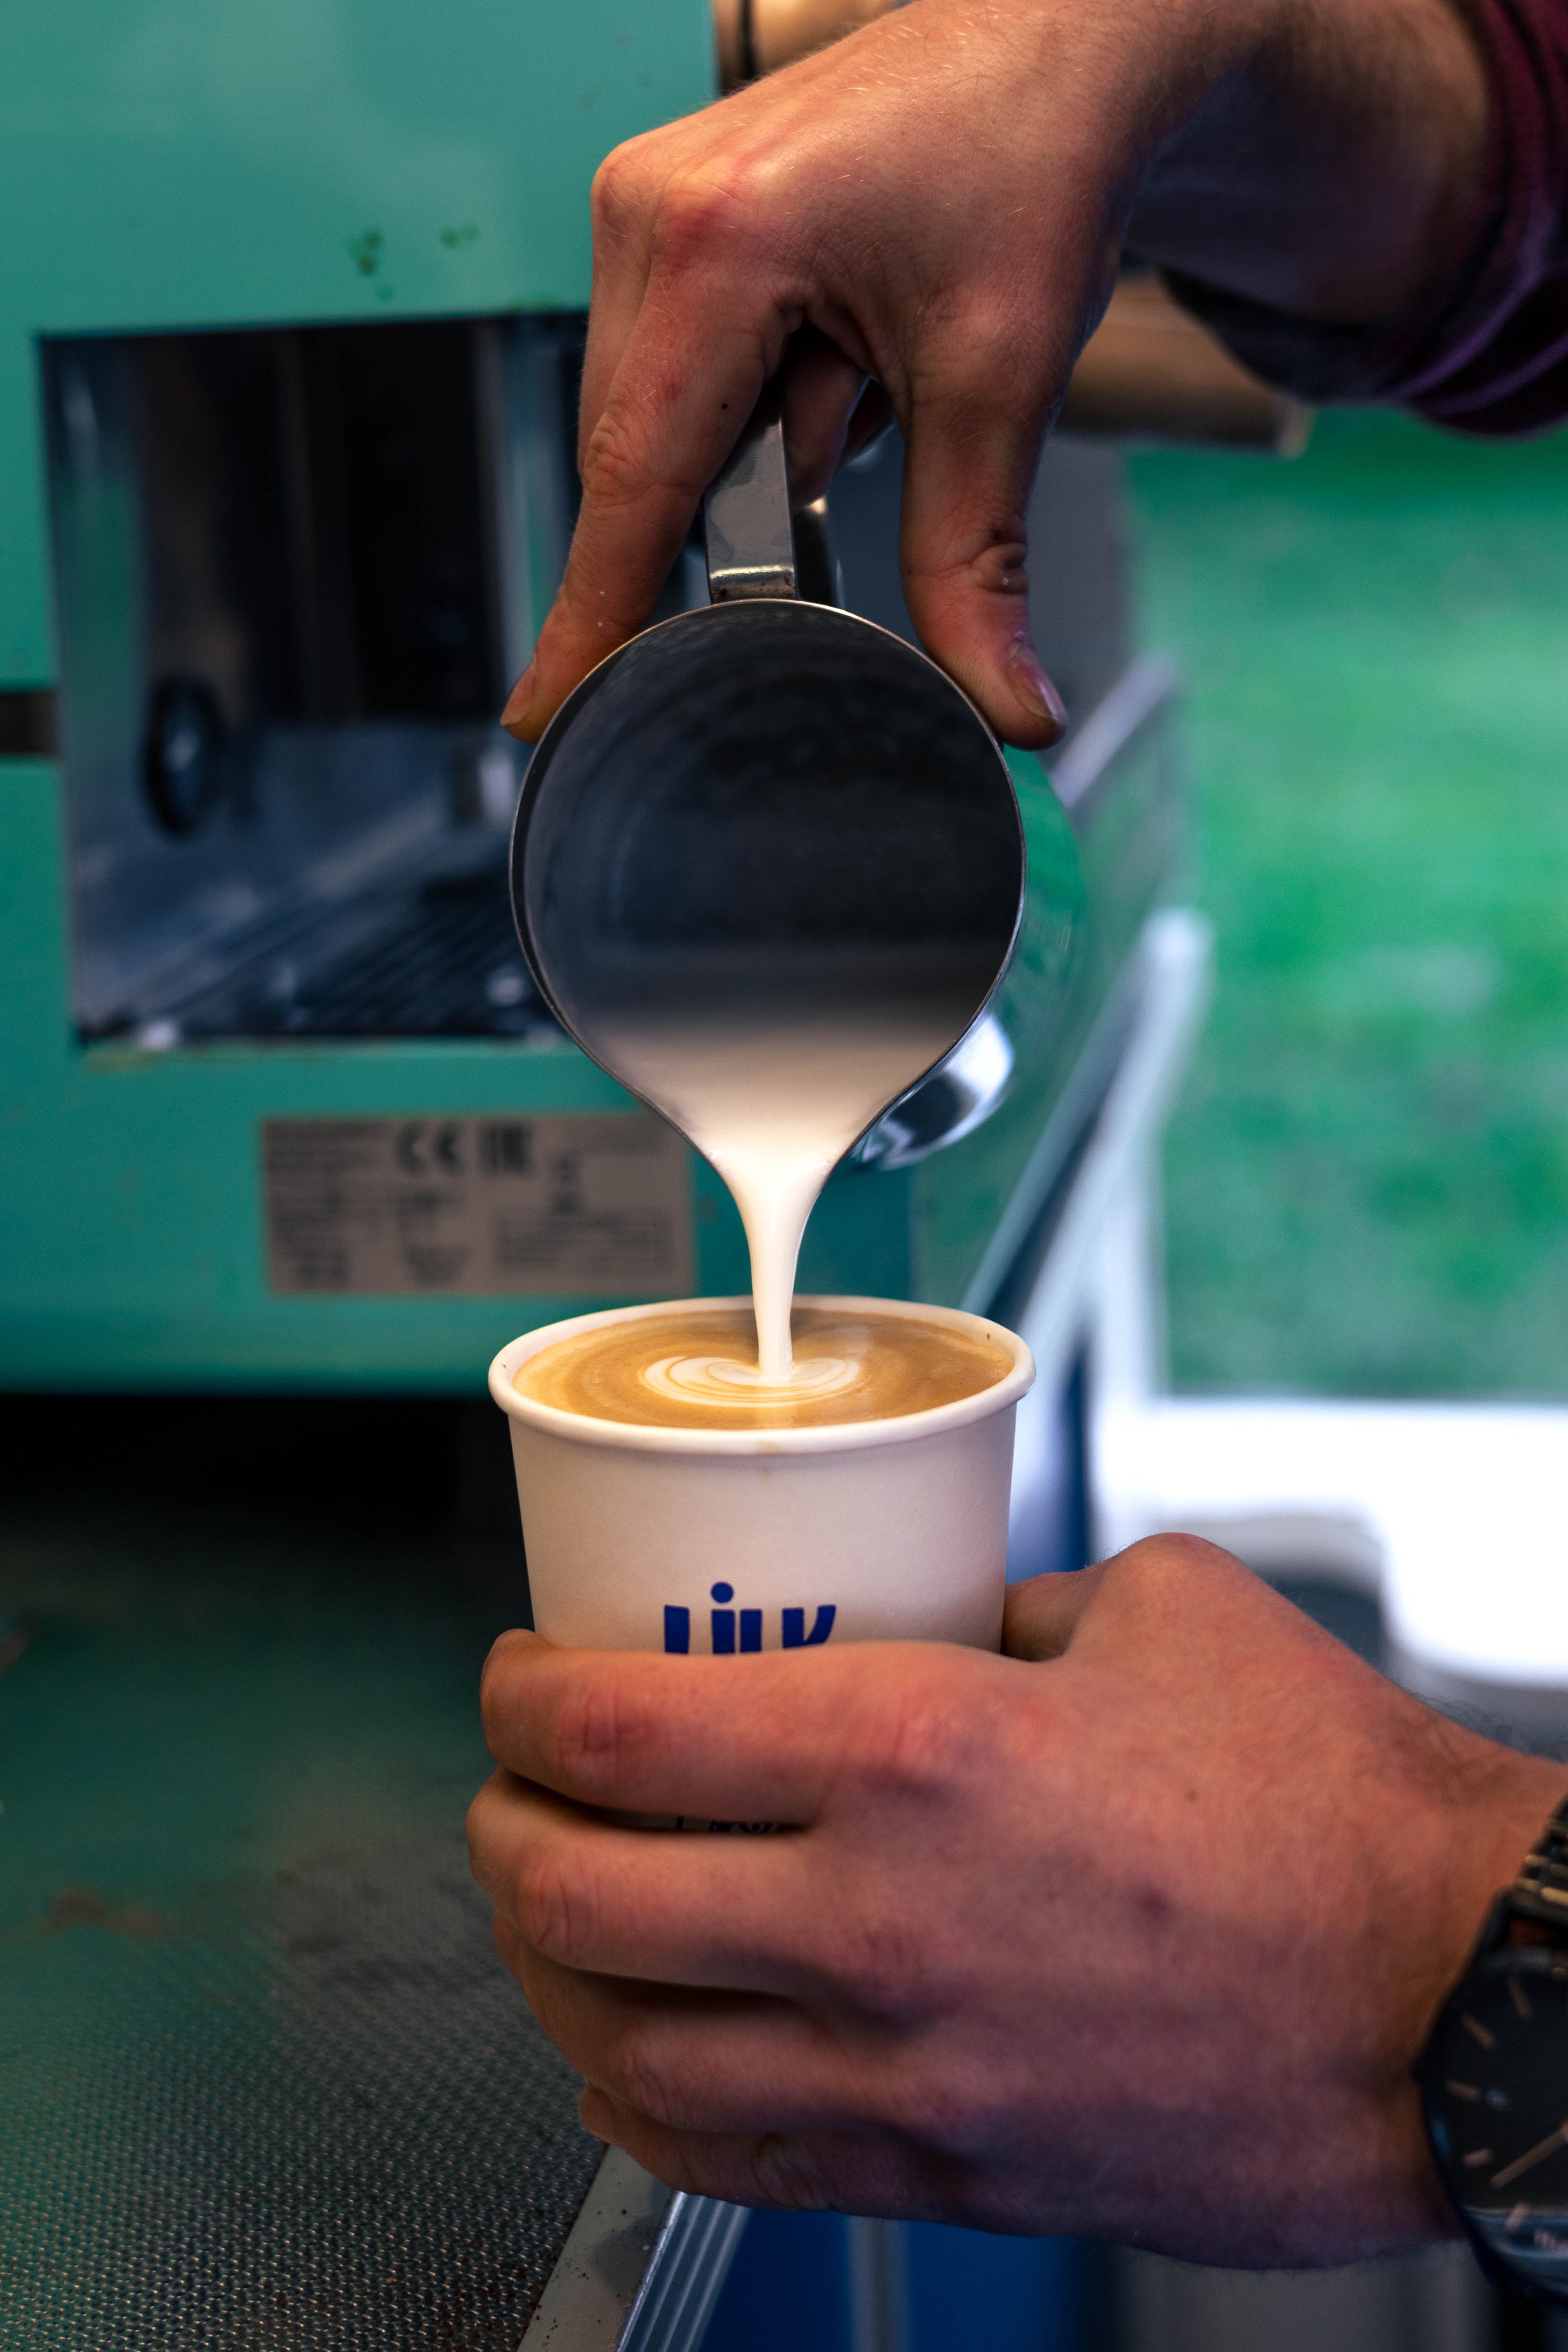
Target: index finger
[
  {"x": 675, "y": 408},
  {"x": 757, "y": 1738}
]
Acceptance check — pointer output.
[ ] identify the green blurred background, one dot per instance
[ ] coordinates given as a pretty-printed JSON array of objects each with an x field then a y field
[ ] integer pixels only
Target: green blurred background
[{"x": 1367, "y": 1180}]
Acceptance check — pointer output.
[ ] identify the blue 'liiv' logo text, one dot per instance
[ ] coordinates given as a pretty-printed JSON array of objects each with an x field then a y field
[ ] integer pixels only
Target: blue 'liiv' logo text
[{"x": 741, "y": 1629}]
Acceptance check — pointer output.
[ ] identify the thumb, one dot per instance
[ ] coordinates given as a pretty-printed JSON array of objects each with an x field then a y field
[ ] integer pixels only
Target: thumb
[
  {"x": 971, "y": 457},
  {"x": 1043, "y": 1614}
]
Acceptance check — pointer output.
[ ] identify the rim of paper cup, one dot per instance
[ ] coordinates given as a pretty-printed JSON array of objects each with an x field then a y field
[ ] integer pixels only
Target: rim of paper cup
[{"x": 830, "y": 1437}]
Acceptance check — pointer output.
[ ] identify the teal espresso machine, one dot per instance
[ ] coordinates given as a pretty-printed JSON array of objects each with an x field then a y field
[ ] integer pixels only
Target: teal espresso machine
[
  {"x": 289, "y": 330},
  {"x": 292, "y": 324}
]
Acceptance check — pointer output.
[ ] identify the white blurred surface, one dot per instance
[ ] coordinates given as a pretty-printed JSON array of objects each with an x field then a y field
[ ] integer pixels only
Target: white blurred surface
[{"x": 1454, "y": 1515}]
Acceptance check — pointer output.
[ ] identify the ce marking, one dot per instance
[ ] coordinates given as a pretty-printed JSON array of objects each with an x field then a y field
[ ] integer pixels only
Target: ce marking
[{"x": 427, "y": 1148}]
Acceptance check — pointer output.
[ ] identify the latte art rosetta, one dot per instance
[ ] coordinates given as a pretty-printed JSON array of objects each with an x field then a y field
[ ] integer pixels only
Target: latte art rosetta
[
  {"x": 726, "y": 1380},
  {"x": 699, "y": 1370}
]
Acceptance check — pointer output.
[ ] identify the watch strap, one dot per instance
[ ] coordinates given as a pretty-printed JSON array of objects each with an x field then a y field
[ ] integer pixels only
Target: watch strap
[{"x": 1539, "y": 1893}]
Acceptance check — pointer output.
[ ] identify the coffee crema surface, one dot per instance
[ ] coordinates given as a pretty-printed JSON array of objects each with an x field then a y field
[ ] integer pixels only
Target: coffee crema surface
[{"x": 700, "y": 1371}]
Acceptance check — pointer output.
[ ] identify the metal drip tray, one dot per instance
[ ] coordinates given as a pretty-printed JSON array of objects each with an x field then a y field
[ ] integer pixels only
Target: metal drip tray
[
  {"x": 436, "y": 960},
  {"x": 264, "y": 2086},
  {"x": 317, "y": 2120}
]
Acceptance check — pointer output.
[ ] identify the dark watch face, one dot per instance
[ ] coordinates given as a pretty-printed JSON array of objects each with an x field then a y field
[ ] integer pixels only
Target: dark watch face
[{"x": 1495, "y": 2085}]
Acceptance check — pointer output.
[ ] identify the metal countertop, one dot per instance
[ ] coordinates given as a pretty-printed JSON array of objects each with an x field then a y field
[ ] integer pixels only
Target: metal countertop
[{"x": 263, "y": 2080}]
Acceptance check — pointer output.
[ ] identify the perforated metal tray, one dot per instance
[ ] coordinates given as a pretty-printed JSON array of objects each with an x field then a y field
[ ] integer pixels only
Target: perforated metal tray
[{"x": 263, "y": 2082}]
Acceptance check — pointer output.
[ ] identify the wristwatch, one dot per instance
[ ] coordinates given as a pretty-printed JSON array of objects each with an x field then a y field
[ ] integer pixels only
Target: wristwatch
[{"x": 1494, "y": 2079}]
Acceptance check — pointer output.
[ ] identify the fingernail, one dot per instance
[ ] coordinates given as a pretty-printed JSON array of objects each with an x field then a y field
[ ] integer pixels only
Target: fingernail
[
  {"x": 519, "y": 702},
  {"x": 1033, "y": 688}
]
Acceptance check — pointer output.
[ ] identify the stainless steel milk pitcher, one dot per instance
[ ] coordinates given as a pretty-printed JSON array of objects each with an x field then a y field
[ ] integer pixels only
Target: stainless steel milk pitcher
[{"x": 766, "y": 802}]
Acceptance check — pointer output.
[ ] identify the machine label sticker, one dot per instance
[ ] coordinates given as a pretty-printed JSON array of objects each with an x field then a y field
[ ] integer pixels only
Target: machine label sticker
[{"x": 545, "y": 1207}]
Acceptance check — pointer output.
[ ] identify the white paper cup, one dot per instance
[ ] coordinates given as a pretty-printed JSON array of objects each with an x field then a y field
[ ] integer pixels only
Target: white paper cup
[{"x": 720, "y": 1540}]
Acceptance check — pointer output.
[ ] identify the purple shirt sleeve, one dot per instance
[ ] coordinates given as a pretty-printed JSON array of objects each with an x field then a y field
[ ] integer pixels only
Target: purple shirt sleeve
[{"x": 1490, "y": 356}]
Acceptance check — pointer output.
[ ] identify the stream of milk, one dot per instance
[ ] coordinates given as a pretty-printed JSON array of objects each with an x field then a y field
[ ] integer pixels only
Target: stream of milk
[{"x": 773, "y": 1099}]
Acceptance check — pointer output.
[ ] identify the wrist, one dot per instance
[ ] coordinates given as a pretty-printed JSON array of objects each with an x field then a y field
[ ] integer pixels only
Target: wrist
[
  {"x": 1333, "y": 163},
  {"x": 1159, "y": 73},
  {"x": 1494, "y": 1817},
  {"x": 1112, "y": 81}
]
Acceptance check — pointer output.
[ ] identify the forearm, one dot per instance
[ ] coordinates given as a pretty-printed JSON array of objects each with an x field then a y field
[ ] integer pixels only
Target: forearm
[
  {"x": 1323, "y": 157},
  {"x": 1334, "y": 171}
]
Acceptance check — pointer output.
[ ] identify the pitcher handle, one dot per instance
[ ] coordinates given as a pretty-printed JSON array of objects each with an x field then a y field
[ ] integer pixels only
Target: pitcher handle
[{"x": 746, "y": 514}]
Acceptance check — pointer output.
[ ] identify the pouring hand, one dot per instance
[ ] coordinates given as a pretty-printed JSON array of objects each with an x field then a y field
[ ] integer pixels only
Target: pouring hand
[
  {"x": 821, "y": 219},
  {"x": 935, "y": 206},
  {"x": 1133, "y": 1933}
]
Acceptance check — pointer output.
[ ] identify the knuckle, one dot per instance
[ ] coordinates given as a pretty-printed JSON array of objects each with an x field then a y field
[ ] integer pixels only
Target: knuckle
[
  {"x": 476, "y": 1827},
  {"x": 1189, "y": 1552},
  {"x": 622, "y": 187},
  {"x": 883, "y": 1964},
  {"x": 692, "y": 2165},
  {"x": 615, "y": 461},
  {"x": 975, "y": 375},
  {"x": 551, "y": 1908},
  {"x": 785, "y": 2175},
  {"x": 585, "y": 1733},
  {"x": 937, "y": 2108},
  {"x": 496, "y": 1694},
  {"x": 641, "y": 2076},
  {"x": 549, "y": 2010},
  {"x": 699, "y": 210},
  {"x": 920, "y": 1746},
  {"x": 490, "y": 1704},
  {"x": 984, "y": 539},
  {"x": 622, "y": 468},
  {"x": 1160, "y": 1562}
]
